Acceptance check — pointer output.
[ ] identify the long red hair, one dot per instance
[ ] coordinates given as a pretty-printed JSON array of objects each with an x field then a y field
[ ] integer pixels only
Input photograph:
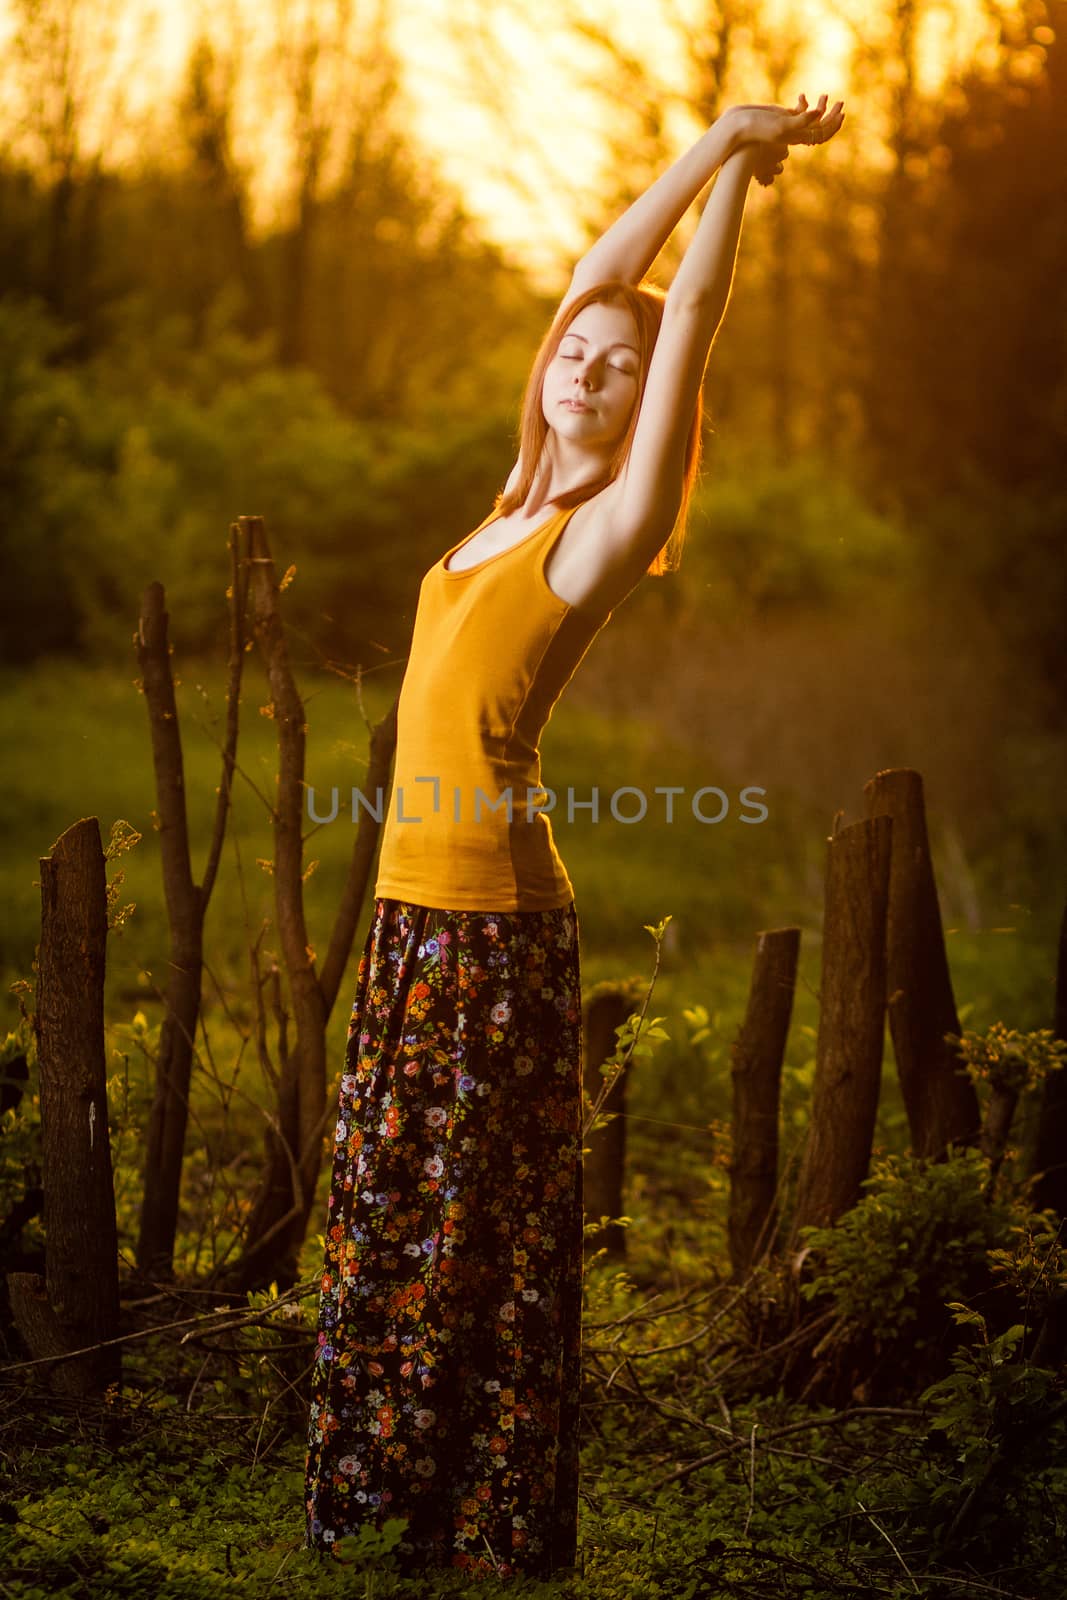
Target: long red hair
[{"x": 645, "y": 302}]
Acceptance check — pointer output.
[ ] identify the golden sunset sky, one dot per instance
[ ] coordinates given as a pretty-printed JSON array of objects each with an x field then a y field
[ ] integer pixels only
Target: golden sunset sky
[{"x": 522, "y": 176}]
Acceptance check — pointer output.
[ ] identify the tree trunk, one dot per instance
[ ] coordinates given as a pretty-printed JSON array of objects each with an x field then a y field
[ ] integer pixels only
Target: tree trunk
[
  {"x": 76, "y": 1305},
  {"x": 207, "y": 112},
  {"x": 941, "y": 1102},
  {"x": 60, "y": 266},
  {"x": 756, "y": 1071},
  {"x": 848, "y": 1050}
]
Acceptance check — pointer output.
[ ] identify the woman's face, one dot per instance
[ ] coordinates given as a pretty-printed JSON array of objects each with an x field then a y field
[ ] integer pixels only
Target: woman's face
[{"x": 591, "y": 382}]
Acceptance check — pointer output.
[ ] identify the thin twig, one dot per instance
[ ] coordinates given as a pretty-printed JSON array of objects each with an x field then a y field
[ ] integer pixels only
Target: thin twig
[
  {"x": 781, "y": 1433},
  {"x": 620, "y": 1065},
  {"x": 641, "y": 1314},
  {"x": 220, "y": 1320},
  {"x": 889, "y": 1542}
]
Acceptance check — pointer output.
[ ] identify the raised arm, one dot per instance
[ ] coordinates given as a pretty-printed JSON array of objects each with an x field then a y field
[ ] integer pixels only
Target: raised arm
[
  {"x": 644, "y": 500},
  {"x": 630, "y": 245},
  {"x": 628, "y": 248}
]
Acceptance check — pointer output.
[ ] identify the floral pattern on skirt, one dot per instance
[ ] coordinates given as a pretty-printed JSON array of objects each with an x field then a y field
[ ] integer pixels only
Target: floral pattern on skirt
[{"x": 445, "y": 1387}]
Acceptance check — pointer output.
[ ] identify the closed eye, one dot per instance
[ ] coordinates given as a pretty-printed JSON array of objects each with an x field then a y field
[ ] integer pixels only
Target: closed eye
[{"x": 616, "y": 366}]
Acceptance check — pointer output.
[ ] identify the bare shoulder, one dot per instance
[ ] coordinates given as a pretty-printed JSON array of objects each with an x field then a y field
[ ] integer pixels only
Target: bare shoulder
[{"x": 514, "y": 475}]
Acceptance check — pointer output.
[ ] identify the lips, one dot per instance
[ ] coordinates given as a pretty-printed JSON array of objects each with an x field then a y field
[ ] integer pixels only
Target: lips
[{"x": 576, "y": 405}]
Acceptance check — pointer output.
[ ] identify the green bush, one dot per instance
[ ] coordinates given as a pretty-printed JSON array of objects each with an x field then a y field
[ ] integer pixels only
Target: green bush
[
  {"x": 992, "y": 1491},
  {"x": 919, "y": 1237},
  {"x": 130, "y": 468}
]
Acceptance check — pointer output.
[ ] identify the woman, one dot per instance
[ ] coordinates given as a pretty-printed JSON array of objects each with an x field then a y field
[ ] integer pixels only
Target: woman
[{"x": 446, "y": 1384}]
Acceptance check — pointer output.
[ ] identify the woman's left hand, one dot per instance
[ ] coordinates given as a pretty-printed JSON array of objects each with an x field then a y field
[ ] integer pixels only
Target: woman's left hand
[{"x": 775, "y": 128}]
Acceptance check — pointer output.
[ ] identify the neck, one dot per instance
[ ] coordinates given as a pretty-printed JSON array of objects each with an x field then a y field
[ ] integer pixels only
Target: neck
[{"x": 564, "y": 467}]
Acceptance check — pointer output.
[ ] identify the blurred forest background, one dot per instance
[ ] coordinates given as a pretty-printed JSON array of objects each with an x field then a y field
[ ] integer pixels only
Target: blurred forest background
[{"x": 875, "y": 572}]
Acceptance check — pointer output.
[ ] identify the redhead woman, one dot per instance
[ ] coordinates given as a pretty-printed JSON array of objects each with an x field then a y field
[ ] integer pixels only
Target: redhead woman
[{"x": 446, "y": 1384}]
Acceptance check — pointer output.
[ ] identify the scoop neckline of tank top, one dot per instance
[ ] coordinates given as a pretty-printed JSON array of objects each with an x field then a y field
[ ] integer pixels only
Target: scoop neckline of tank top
[{"x": 463, "y": 572}]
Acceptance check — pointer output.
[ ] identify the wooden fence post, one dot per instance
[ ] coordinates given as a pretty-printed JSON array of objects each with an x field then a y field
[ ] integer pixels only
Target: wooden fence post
[
  {"x": 756, "y": 1072},
  {"x": 851, "y": 1034},
  {"x": 941, "y": 1102},
  {"x": 604, "y": 1164},
  {"x": 76, "y": 1304}
]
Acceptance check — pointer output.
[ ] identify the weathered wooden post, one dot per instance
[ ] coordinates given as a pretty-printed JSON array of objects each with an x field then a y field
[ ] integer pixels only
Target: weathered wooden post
[
  {"x": 851, "y": 1033},
  {"x": 756, "y": 1072},
  {"x": 941, "y": 1102},
  {"x": 76, "y": 1304},
  {"x": 604, "y": 1164}
]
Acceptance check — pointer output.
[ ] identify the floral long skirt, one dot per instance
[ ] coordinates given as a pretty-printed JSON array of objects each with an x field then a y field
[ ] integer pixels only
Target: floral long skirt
[{"x": 445, "y": 1388}]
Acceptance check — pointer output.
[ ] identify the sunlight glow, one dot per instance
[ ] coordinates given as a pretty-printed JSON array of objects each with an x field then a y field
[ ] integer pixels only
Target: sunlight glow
[{"x": 495, "y": 92}]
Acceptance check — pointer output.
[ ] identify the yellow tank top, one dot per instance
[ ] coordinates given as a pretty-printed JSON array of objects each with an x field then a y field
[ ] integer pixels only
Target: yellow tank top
[{"x": 492, "y": 649}]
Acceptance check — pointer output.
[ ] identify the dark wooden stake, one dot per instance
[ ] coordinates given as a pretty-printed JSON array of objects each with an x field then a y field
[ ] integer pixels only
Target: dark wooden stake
[
  {"x": 756, "y": 1071},
  {"x": 848, "y": 1049},
  {"x": 940, "y": 1099},
  {"x": 76, "y": 1305}
]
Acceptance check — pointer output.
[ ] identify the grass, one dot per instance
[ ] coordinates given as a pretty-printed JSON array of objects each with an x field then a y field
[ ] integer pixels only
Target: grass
[{"x": 79, "y": 746}]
